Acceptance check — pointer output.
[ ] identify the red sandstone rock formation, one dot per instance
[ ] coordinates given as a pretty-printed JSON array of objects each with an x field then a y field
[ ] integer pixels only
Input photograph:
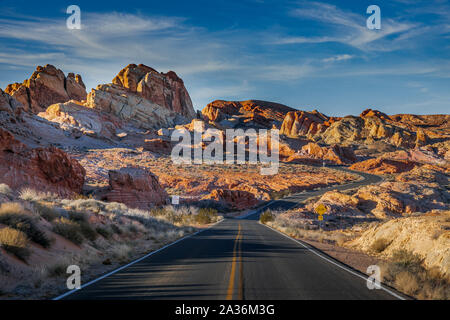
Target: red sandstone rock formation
[
  {"x": 249, "y": 112},
  {"x": 43, "y": 169},
  {"x": 301, "y": 123},
  {"x": 335, "y": 153},
  {"x": 374, "y": 113},
  {"x": 46, "y": 86},
  {"x": 234, "y": 199},
  {"x": 144, "y": 98},
  {"x": 158, "y": 145},
  {"x": 135, "y": 187},
  {"x": 164, "y": 89},
  {"x": 383, "y": 166},
  {"x": 10, "y": 105}
]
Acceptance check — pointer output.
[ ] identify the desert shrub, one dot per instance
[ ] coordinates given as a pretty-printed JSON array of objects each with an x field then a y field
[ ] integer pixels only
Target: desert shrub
[
  {"x": 15, "y": 242},
  {"x": 206, "y": 215},
  {"x": 56, "y": 270},
  {"x": 46, "y": 212},
  {"x": 105, "y": 233},
  {"x": 5, "y": 189},
  {"x": 29, "y": 194},
  {"x": 14, "y": 215},
  {"x": 380, "y": 245},
  {"x": 116, "y": 229},
  {"x": 407, "y": 281},
  {"x": 132, "y": 228},
  {"x": 266, "y": 216},
  {"x": 276, "y": 195},
  {"x": 87, "y": 231},
  {"x": 78, "y": 216},
  {"x": 169, "y": 213},
  {"x": 407, "y": 274},
  {"x": 121, "y": 252},
  {"x": 407, "y": 260},
  {"x": 88, "y": 205},
  {"x": 68, "y": 229}
]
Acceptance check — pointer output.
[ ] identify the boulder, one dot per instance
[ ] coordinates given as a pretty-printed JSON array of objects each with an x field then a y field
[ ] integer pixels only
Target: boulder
[
  {"x": 135, "y": 187},
  {"x": 46, "y": 86},
  {"x": 44, "y": 169}
]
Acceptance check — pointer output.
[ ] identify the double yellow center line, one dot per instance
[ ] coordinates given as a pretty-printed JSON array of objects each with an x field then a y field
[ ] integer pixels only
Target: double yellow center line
[{"x": 237, "y": 258}]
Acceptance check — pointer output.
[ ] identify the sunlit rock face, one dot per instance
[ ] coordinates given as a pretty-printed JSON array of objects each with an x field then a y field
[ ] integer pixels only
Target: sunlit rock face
[
  {"x": 46, "y": 86},
  {"x": 144, "y": 97}
]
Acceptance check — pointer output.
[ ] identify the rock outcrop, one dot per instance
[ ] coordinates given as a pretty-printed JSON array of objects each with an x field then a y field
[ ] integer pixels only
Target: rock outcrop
[
  {"x": 383, "y": 166},
  {"x": 43, "y": 169},
  {"x": 241, "y": 114},
  {"x": 233, "y": 199},
  {"x": 367, "y": 130},
  {"x": 144, "y": 98},
  {"x": 47, "y": 85},
  {"x": 303, "y": 123},
  {"x": 9, "y": 105},
  {"x": 164, "y": 89},
  {"x": 335, "y": 153},
  {"x": 158, "y": 145},
  {"x": 374, "y": 113},
  {"x": 135, "y": 187},
  {"x": 78, "y": 119}
]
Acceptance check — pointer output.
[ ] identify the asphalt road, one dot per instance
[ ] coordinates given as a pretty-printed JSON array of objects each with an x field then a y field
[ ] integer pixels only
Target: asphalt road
[{"x": 237, "y": 259}]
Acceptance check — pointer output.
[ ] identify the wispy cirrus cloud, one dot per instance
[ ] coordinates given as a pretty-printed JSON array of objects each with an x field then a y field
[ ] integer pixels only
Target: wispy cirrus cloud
[{"x": 348, "y": 28}]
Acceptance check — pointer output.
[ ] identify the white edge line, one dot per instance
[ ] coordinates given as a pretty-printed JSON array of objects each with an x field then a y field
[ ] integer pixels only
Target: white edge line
[
  {"x": 333, "y": 262},
  {"x": 133, "y": 262}
]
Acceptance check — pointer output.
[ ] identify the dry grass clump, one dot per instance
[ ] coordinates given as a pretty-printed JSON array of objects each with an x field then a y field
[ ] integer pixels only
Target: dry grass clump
[
  {"x": 5, "y": 189},
  {"x": 406, "y": 273},
  {"x": 15, "y": 242},
  {"x": 68, "y": 229},
  {"x": 104, "y": 232},
  {"x": 380, "y": 245},
  {"x": 45, "y": 211},
  {"x": 121, "y": 252},
  {"x": 266, "y": 216},
  {"x": 206, "y": 216},
  {"x": 32, "y": 195},
  {"x": 185, "y": 215},
  {"x": 15, "y": 216}
]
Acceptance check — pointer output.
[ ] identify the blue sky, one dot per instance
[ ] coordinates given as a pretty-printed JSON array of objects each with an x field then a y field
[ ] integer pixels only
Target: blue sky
[{"x": 306, "y": 54}]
